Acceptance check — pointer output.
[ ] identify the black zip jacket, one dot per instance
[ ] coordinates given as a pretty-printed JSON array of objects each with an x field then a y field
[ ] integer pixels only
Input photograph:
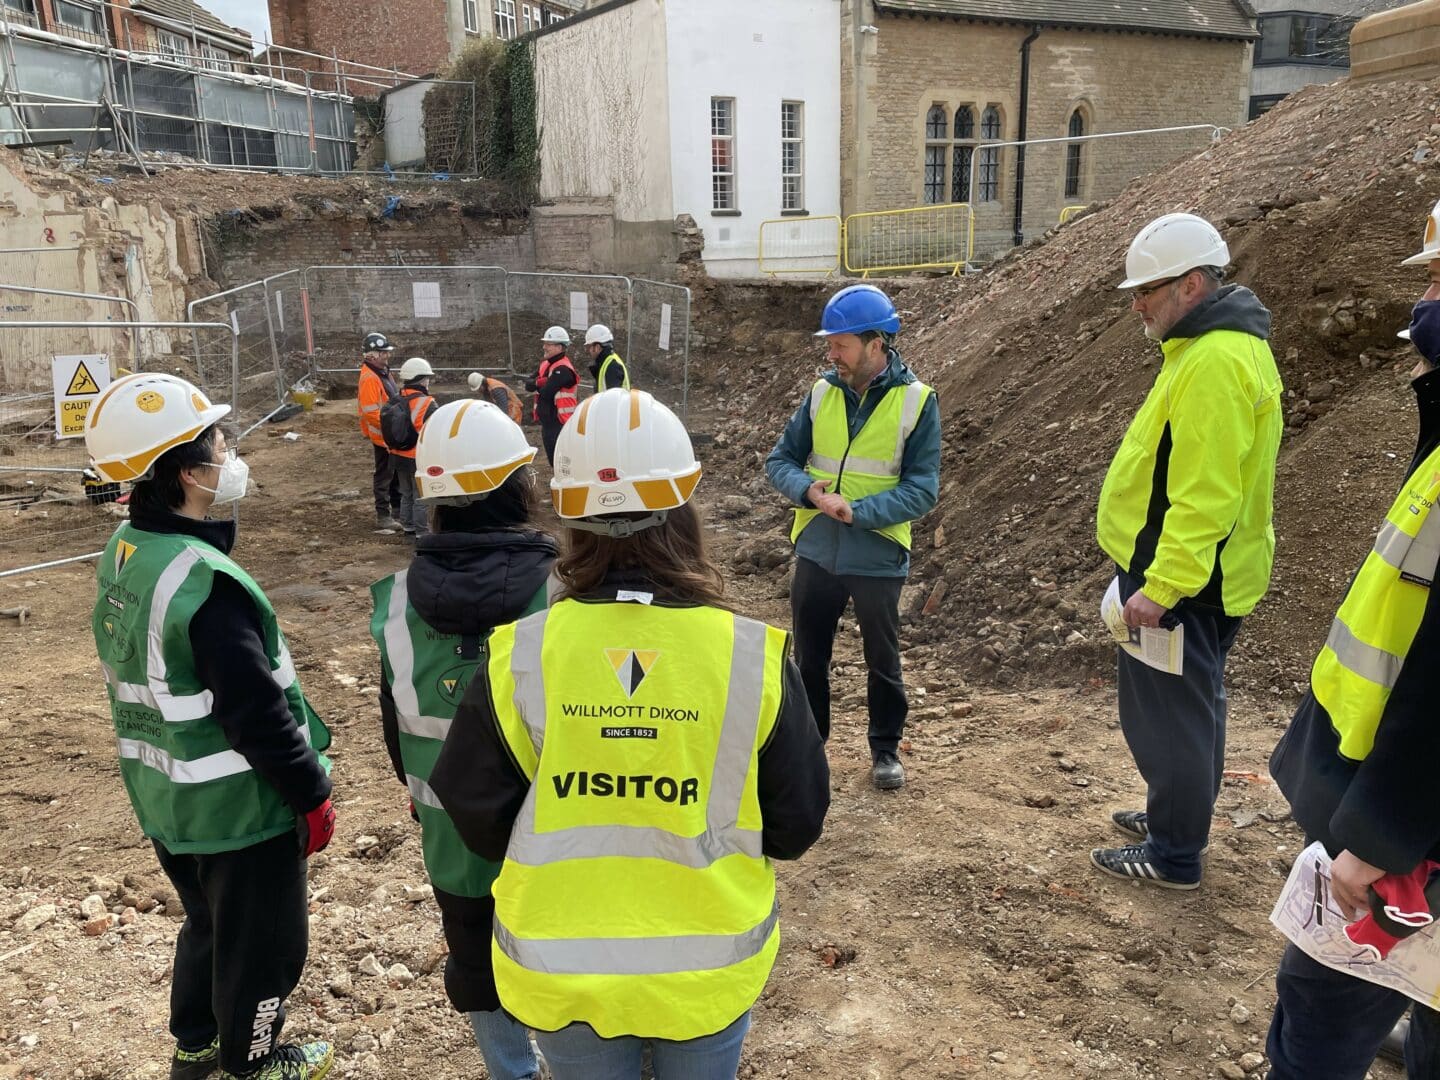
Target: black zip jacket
[
  {"x": 467, "y": 584},
  {"x": 228, "y": 645},
  {"x": 558, "y": 379},
  {"x": 482, "y": 788},
  {"x": 1382, "y": 809}
]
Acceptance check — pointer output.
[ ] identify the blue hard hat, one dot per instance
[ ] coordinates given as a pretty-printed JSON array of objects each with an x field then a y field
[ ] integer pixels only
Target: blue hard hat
[{"x": 858, "y": 308}]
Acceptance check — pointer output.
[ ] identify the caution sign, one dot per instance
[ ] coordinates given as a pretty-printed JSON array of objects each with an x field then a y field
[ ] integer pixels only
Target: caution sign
[{"x": 78, "y": 379}]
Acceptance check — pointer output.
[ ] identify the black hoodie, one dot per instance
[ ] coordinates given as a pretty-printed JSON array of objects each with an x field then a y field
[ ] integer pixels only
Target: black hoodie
[
  {"x": 468, "y": 584},
  {"x": 1230, "y": 307},
  {"x": 1383, "y": 809}
]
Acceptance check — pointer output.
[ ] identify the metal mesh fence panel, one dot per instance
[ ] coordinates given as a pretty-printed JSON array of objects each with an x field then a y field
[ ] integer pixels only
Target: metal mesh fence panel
[
  {"x": 658, "y": 349},
  {"x": 574, "y": 301},
  {"x": 257, "y": 384},
  {"x": 454, "y": 316},
  {"x": 289, "y": 322}
]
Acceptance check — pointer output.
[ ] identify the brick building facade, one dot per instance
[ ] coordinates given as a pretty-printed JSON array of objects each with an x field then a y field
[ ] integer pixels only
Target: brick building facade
[
  {"x": 416, "y": 37},
  {"x": 928, "y": 83}
]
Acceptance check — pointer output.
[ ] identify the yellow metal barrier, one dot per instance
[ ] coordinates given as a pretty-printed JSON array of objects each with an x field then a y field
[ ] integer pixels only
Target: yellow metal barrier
[
  {"x": 921, "y": 238},
  {"x": 801, "y": 245},
  {"x": 1070, "y": 211}
]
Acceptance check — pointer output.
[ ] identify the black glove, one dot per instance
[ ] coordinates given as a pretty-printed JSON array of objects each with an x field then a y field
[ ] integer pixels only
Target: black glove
[{"x": 530, "y": 383}]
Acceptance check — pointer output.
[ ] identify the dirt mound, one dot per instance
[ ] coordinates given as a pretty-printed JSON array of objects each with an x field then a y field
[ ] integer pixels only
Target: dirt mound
[{"x": 1040, "y": 365}]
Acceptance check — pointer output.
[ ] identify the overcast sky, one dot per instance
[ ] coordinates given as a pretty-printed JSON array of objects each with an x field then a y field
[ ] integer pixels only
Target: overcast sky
[{"x": 251, "y": 15}]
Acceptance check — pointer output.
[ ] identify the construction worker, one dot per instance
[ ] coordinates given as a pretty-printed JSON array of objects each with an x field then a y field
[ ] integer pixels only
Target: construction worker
[
  {"x": 219, "y": 751},
  {"x": 556, "y": 387},
  {"x": 375, "y": 389},
  {"x": 608, "y": 370},
  {"x": 637, "y": 754},
  {"x": 483, "y": 564},
  {"x": 404, "y": 421},
  {"x": 499, "y": 393},
  {"x": 860, "y": 459},
  {"x": 1185, "y": 514},
  {"x": 1358, "y": 760}
]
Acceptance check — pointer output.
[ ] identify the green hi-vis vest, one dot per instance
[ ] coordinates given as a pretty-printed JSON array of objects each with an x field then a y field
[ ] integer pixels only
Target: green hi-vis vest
[
  {"x": 428, "y": 673},
  {"x": 1356, "y": 670},
  {"x": 190, "y": 789},
  {"x": 634, "y": 895},
  {"x": 613, "y": 358},
  {"x": 870, "y": 462}
]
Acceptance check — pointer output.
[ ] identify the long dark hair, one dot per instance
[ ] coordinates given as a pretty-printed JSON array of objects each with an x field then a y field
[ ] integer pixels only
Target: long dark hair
[{"x": 671, "y": 556}]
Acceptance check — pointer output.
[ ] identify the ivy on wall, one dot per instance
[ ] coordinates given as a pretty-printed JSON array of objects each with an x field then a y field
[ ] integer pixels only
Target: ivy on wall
[{"x": 487, "y": 124}]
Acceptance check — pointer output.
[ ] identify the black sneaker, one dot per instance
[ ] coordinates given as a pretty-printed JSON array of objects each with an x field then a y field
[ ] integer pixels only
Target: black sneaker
[
  {"x": 311, "y": 1061},
  {"x": 1393, "y": 1048},
  {"x": 195, "y": 1064},
  {"x": 887, "y": 773},
  {"x": 1132, "y": 863},
  {"x": 1136, "y": 825}
]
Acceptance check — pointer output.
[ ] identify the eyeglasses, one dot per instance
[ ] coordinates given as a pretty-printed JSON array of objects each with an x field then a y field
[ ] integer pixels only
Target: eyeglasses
[{"x": 1144, "y": 292}]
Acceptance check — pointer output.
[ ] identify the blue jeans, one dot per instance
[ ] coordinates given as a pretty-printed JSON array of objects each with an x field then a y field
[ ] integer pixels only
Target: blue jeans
[
  {"x": 577, "y": 1053},
  {"x": 1329, "y": 1024},
  {"x": 505, "y": 1045}
]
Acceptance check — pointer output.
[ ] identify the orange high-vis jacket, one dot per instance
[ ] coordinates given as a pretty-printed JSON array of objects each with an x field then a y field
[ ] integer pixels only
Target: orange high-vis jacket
[
  {"x": 506, "y": 398},
  {"x": 375, "y": 389}
]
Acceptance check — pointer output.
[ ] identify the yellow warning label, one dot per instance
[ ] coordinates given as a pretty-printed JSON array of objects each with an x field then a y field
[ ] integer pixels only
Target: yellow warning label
[
  {"x": 72, "y": 417},
  {"x": 82, "y": 382}
]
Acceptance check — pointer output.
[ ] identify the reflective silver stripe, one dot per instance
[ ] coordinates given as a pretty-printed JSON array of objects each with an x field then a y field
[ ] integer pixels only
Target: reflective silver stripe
[
  {"x": 1371, "y": 664},
  {"x": 824, "y": 464},
  {"x": 1392, "y": 544},
  {"x": 401, "y": 652},
  {"x": 817, "y": 395},
  {"x": 369, "y": 408},
  {"x": 722, "y": 836},
  {"x": 527, "y": 670},
  {"x": 422, "y": 792},
  {"x": 284, "y": 674},
  {"x": 172, "y": 709},
  {"x": 199, "y": 771},
  {"x": 638, "y": 955},
  {"x": 909, "y": 417}
]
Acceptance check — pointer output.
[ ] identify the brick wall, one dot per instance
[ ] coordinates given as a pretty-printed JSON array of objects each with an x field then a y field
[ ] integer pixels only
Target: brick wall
[
  {"x": 411, "y": 35},
  {"x": 443, "y": 239},
  {"x": 1120, "y": 81}
]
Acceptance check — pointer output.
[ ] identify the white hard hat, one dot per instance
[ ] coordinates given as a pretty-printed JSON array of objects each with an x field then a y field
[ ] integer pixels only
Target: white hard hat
[
  {"x": 598, "y": 334},
  {"x": 1170, "y": 246},
  {"x": 1404, "y": 335},
  {"x": 556, "y": 335},
  {"x": 1430, "y": 246},
  {"x": 622, "y": 453},
  {"x": 467, "y": 449},
  {"x": 475, "y": 380},
  {"x": 414, "y": 368},
  {"x": 136, "y": 419}
]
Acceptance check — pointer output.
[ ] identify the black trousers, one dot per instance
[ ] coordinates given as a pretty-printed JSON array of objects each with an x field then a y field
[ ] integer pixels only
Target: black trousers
[
  {"x": 549, "y": 433},
  {"x": 385, "y": 484},
  {"x": 817, "y": 600},
  {"x": 469, "y": 922},
  {"x": 241, "y": 949}
]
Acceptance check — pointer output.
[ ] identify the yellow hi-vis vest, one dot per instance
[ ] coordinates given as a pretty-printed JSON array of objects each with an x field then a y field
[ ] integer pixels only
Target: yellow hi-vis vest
[
  {"x": 869, "y": 463},
  {"x": 1362, "y": 657},
  {"x": 634, "y": 896}
]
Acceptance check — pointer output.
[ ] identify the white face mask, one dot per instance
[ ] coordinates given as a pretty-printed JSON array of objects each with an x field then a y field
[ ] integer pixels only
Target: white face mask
[{"x": 234, "y": 478}]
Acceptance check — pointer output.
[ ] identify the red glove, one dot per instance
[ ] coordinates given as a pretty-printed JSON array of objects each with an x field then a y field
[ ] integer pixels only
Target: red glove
[
  {"x": 316, "y": 828},
  {"x": 414, "y": 814}
]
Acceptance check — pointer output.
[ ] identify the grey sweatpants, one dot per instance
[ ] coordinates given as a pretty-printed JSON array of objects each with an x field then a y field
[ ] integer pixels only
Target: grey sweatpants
[
  {"x": 1175, "y": 727},
  {"x": 413, "y": 514}
]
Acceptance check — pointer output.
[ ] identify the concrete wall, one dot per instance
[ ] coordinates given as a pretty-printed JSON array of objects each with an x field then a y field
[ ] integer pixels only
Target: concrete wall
[
  {"x": 759, "y": 52},
  {"x": 1120, "y": 81},
  {"x": 405, "y": 124},
  {"x": 605, "y": 126}
]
